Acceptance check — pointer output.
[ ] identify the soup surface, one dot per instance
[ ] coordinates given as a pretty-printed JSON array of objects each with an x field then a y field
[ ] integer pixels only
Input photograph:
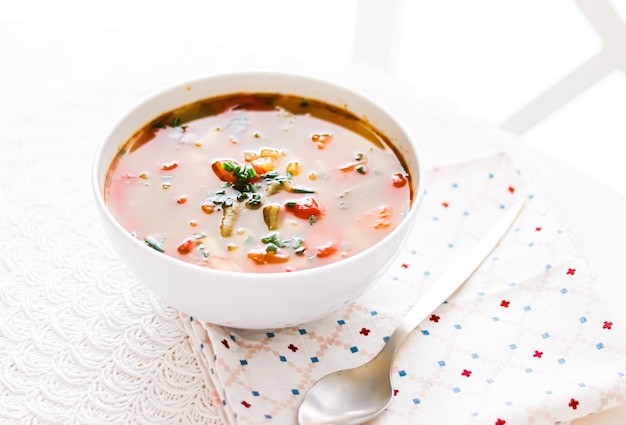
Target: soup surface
[{"x": 258, "y": 183}]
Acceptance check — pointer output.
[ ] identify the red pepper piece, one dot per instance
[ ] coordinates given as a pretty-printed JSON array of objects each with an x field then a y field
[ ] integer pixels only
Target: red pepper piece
[
  {"x": 185, "y": 247},
  {"x": 304, "y": 208}
]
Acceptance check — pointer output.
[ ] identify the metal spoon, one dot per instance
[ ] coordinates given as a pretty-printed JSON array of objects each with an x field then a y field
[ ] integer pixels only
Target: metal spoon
[{"x": 356, "y": 395}]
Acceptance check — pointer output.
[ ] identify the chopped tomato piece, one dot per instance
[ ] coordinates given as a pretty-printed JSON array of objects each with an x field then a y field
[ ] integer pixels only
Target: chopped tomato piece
[
  {"x": 398, "y": 179},
  {"x": 327, "y": 250},
  {"x": 263, "y": 256},
  {"x": 185, "y": 247},
  {"x": 304, "y": 208}
]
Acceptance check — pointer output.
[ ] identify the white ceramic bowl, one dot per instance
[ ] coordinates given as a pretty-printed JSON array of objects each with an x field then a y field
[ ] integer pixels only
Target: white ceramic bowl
[{"x": 255, "y": 300}]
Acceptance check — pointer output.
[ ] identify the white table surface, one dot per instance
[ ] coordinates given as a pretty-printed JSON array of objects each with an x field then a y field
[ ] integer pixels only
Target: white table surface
[{"x": 71, "y": 83}]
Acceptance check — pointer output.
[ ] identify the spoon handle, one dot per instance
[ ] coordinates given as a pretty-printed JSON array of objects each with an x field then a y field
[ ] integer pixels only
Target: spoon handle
[{"x": 451, "y": 280}]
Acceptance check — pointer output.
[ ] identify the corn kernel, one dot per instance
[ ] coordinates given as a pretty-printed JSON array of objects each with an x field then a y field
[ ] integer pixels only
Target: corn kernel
[{"x": 272, "y": 153}]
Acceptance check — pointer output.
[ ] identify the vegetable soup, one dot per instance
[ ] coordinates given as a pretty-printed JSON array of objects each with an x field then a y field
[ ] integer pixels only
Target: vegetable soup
[{"x": 258, "y": 183}]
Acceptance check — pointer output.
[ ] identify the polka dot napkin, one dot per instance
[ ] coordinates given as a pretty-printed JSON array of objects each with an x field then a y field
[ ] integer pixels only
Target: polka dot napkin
[{"x": 524, "y": 341}]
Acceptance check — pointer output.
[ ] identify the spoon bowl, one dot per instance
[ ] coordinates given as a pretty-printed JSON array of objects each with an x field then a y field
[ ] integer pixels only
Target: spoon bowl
[
  {"x": 357, "y": 395},
  {"x": 366, "y": 389}
]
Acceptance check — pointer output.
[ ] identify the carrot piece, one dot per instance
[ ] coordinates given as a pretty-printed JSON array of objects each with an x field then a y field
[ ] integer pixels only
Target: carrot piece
[
  {"x": 263, "y": 256},
  {"x": 327, "y": 250},
  {"x": 185, "y": 247},
  {"x": 222, "y": 173}
]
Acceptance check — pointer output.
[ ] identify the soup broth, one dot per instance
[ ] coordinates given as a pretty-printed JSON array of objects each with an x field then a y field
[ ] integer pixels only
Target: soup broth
[{"x": 258, "y": 183}]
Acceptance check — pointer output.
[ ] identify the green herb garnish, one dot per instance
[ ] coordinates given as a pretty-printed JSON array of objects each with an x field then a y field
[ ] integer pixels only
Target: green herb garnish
[
  {"x": 249, "y": 173},
  {"x": 244, "y": 174},
  {"x": 298, "y": 189},
  {"x": 272, "y": 239},
  {"x": 228, "y": 166},
  {"x": 153, "y": 243},
  {"x": 296, "y": 243},
  {"x": 271, "y": 175}
]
